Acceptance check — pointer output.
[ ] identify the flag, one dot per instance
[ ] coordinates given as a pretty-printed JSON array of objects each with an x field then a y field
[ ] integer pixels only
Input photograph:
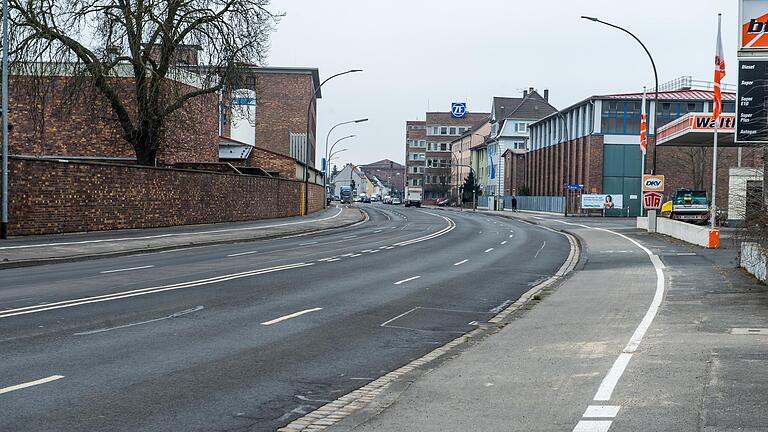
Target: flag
[
  {"x": 717, "y": 107},
  {"x": 643, "y": 127}
]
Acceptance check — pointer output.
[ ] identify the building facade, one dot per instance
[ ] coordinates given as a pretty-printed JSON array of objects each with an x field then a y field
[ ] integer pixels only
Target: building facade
[
  {"x": 389, "y": 173},
  {"x": 428, "y": 150},
  {"x": 595, "y": 143}
]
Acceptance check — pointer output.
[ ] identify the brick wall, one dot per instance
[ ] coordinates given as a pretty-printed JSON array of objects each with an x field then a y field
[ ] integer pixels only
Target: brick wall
[
  {"x": 273, "y": 162},
  {"x": 49, "y": 121},
  {"x": 48, "y": 197}
]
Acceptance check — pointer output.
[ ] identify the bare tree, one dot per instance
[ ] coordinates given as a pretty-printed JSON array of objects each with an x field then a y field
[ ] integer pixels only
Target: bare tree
[{"x": 100, "y": 40}]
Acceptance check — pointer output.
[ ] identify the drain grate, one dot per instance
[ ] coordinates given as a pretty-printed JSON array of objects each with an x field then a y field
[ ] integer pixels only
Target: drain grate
[{"x": 750, "y": 331}]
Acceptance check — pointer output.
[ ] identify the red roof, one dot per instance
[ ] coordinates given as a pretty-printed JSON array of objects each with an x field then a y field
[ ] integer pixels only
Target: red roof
[{"x": 684, "y": 95}]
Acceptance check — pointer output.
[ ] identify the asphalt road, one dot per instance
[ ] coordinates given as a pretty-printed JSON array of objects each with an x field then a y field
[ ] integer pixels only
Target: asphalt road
[{"x": 249, "y": 336}]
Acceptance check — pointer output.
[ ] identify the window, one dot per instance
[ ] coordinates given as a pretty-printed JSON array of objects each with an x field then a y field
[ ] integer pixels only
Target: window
[
  {"x": 521, "y": 127},
  {"x": 452, "y": 131},
  {"x": 443, "y": 146},
  {"x": 443, "y": 130}
]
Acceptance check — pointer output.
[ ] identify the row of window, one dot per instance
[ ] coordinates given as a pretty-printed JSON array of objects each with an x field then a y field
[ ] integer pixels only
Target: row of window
[
  {"x": 440, "y": 180},
  {"x": 416, "y": 127},
  {"x": 416, "y": 143},
  {"x": 438, "y": 163},
  {"x": 430, "y": 146},
  {"x": 417, "y": 156},
  {"x": 415, "y": 182},
  {"x": 416, "y": 169},
  {"x": 448, "y": 130},
  {"x": 623, "y": 117}
]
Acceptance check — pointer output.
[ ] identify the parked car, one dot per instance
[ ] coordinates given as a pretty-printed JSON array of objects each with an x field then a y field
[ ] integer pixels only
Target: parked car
[
  {"x": 443, "y": 202},
  {"x": 396, "y": 201},
  {"x": 365, "y": 199},
  {"x": 387, "y": 200}
]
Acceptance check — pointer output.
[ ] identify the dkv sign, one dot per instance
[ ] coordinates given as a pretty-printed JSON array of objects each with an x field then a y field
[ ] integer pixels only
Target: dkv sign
[{"x": 653, "y": 183}]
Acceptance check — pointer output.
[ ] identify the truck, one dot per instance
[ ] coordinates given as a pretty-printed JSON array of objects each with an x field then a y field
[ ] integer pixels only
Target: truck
[
  {"x": 345, "y": 195},
  {"x": 413, "y": 195},
  {"x": 687, "y": 205}
]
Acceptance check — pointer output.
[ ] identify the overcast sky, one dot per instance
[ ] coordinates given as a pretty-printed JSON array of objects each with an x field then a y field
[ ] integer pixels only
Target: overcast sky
[{"x": 421, "y": 54}]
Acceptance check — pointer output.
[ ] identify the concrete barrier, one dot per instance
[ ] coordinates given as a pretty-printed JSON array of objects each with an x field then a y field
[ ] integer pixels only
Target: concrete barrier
[
  {"x": 754, "y": 259},
  {"x": 698, "y": 235}
]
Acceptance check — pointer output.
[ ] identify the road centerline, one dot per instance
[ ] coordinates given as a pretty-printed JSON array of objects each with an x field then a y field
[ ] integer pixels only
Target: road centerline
[
  {"x": 31, "y": 384},
  {"x": 289, "y": 316}
]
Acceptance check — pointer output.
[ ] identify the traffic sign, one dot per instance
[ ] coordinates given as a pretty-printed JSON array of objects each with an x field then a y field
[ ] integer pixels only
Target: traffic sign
[
  {"x": 652, "y": 200},
  {"x": 653, "y": 183},
  {"x": 573, "y": 186}
]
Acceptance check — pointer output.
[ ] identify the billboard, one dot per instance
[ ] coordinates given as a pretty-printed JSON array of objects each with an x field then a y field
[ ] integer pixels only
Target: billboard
[
  {"x": 602, "y": 201},
  {"x": 751, "y": 113},
  {"x": 459, "y": 109},
  {"x": 753, "y": 20}
]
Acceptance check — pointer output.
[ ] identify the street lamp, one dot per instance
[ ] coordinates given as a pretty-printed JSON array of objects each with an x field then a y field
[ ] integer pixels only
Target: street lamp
[
  {"x": 655, "y": 75},
  {"x": 312, "y": 101},
  {"x": 327, "y": 157},
  {"x": 4, "y": 217}
]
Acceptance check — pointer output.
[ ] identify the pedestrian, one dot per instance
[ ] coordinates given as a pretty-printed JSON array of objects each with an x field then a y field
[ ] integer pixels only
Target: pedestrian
[{"x": 514, "y": 204}]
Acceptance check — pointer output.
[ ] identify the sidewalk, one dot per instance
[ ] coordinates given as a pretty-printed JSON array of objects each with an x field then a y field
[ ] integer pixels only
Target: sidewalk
[
  {"x": 699, "y": 366},
  {"x": 36, "y": 250}
]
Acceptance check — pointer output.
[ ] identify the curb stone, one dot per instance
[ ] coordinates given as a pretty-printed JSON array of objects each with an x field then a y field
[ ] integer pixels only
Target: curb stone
[
  {"x": 357, "y": 400},
  {"x": 196, "y": 244}
]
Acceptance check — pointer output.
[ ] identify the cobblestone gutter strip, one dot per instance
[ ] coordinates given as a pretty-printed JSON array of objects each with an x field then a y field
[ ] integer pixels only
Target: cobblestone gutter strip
[{"x": 338, "y": 410}]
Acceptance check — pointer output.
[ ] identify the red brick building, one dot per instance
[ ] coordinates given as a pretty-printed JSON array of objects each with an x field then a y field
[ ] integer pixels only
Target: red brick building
[
  {"x": 428, "y": 150},
  {"x": 49, "y": 120}
]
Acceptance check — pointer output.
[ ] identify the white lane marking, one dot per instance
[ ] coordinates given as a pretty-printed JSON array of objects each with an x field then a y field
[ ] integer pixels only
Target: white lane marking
[
  {"x": 543, "y": 245},
  {"x": 126, "y": 269},
  {"x": 686, "y": 254},
  {"x": 377, "y": 231},
  {"x": 289, "y": 316},
  {"x": 511, "y": 231},
  {"x": 382, "y": 247},
  {"x": 349, "y": 237},
  {"x": 488, "y": 250},
  {"x": 332, "y": 259},
  {"x": 308, "y": 243},
  {"x": 397, "y": 317},
  {"x": 374, "y": 251},
  {"x": 355, "y": 255},
  {"x": 389, "y": 247},
  {"x": 31, "y": 384},
  {"x": 539, "y": 218},
  {"x": 447, "y": 229},
  {"x": 144, "y": 291},
  {"x": 593, "y": 426},
  {"x": 601, "y": 411},
  {"x": 173, "y": 315},
  {"x": 461, "y": 262},
  {"x": 195, "y": 233},
  {"x": 511, "y": 235},
  {"x": 347, "y": 255},
  {"x": 504, "y": 242},
  {"x": 605, "y": 391},
  {"x": 407, "y": 280},
  {"x": 241, "y": 254}
]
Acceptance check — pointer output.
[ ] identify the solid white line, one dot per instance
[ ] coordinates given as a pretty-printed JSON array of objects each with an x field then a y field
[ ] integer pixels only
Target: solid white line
[
  {"x": 171, "y": 234},
  {"x": 308, "y": 243},
  {"x": 126, "y": 269},
  {"x": 31, "y": 384},
  {"x": 354, "y": 255},
  {"x": 144, "y": 291},
  {"x": 504, "y": 242},
  {"x": 488, "y": 250},
  {"x": 242, "y": 253},
  {"x": 461, "y": 262},
  {"x": 540, "y": 249},
  {"x": 593, "y": 426},
  {"x": 397, "y": 317},
  {"x": 289, "y": 316},
  {"x": 407, "y": 280},
  {"x": 601, "y": 411}
]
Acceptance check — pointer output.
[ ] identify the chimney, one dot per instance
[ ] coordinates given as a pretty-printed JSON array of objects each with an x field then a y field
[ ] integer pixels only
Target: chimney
[
  {"x": 546, "y": 95},
  {"x": 530, "y": 90},
  {"x": 525, "y": 93}
]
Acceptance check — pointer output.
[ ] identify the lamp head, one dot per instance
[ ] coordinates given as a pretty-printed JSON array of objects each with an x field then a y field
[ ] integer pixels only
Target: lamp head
[
  {"x": 590, "y": 18},
  {"x": 361, "y": 120}
]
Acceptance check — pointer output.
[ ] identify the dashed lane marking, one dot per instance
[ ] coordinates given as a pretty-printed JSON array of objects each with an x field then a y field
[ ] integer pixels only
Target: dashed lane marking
[
  {"x": 460, "y": 262},
  {"x": 289, "y": 316},
  {"x": 31, "y": 384},
  {"x": 126, "y": 269},
  {"x": 407, "y": 280},
  {"x": 242, "y": 253},
  {"x": 488, "y": 250}
]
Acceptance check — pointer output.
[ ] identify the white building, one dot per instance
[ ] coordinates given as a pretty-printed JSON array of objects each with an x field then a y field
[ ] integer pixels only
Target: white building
[{"x": 349, "y": 174}]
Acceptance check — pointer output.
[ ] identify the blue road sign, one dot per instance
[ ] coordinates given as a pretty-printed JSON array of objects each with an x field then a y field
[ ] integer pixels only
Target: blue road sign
[
  {"x": 459, "y": 109},
  {"x": 574, "y": 186}
]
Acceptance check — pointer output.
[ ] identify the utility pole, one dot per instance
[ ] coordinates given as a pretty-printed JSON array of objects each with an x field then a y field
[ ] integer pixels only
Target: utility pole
[{"x": 4, "y": 221}]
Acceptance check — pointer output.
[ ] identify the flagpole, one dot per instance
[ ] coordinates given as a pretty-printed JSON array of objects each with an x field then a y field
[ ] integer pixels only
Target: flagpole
[{"x": 713, "y": 207}]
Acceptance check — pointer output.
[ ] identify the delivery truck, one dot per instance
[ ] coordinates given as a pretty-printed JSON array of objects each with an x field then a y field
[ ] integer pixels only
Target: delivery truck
[{"x": 413, "y": 196}]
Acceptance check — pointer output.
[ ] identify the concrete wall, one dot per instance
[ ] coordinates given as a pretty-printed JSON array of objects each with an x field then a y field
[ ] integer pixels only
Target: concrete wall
[
  {"x": 754, "y": 259},
  {"x": 51, "y": 197},
  {"x": 694, "y": 234}
]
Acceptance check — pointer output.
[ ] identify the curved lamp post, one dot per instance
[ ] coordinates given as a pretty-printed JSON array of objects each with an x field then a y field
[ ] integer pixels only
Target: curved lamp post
[
  {"x": 655, "y": 75},
  {"x": 312, "y": 101},
  {"x": 327, "y": 157}
]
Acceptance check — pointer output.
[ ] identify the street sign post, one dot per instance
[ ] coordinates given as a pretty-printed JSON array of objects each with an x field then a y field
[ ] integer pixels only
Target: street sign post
[{"x": 652, "y": 200}]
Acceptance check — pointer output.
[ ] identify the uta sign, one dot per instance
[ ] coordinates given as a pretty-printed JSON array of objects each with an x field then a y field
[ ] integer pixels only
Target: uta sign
[{"x": 652, "y": 200}]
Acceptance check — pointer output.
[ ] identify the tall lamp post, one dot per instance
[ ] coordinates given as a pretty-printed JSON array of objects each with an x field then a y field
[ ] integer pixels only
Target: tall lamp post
[
  {"x": 327, "y": 157},
  {"x": 4, "y": 219},
  {"x": 568, "y": 171},
  {"x": 655, "y": 75},
  {"x": 331, "y": 153},
  {"x": 312, "y": 101}
]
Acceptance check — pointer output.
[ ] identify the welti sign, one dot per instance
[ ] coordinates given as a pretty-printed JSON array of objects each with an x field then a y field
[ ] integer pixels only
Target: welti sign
[
  {"x": 753, "y": 35},
  {"x": 726, "y": 122}
]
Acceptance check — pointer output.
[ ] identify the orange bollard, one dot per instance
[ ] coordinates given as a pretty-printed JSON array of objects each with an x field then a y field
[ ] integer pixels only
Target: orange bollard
[{"x": 714, "y": 239}]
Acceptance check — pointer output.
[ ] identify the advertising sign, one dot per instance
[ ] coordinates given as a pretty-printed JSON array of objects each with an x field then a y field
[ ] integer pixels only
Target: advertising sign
[
  {"x": 726, "y": 122},
  {"x": 602, "y": 201},
  {"x": 751, "y": 113},
  {"x": 753, "y": 19},
  {"x": 652, "y": 200},
  {"x": 653, "y": 183},
  {"x": 459, "y": 109}
]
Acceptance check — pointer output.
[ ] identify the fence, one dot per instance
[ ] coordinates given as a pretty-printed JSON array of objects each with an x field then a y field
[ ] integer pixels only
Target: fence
[{"x": 549, "y": 204}]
